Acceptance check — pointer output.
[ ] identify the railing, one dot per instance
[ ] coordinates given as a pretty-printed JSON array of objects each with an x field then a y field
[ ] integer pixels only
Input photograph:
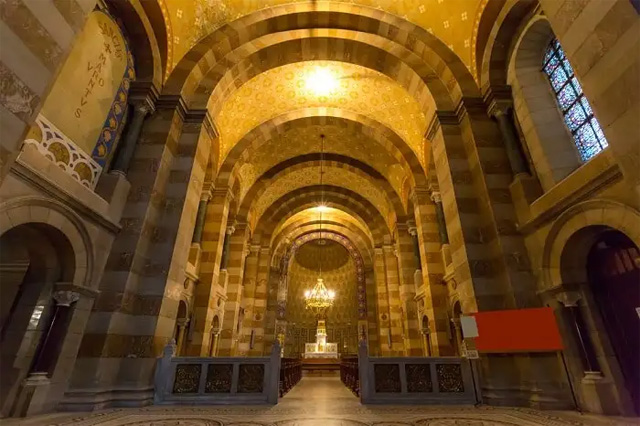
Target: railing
[
  {"x": 349, "y": 374},
  {"x": 415, "y": 380},
  {"x": 194, "y": 380},
  {"x": 290, "y": 374}
]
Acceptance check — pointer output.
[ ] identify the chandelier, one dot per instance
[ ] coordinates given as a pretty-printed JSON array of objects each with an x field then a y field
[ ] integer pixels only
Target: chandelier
[{"x": 320, "y": 298}]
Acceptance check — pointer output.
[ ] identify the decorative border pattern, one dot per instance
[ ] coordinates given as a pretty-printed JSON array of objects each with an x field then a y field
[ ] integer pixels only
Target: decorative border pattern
[
  {"x": 115, "y": 117},
  {"x": 64, "y": 153},
  {"x": 353, "y": 251}
]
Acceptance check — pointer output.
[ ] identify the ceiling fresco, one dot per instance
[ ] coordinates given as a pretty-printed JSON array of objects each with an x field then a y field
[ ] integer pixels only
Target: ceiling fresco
[
  {"x": 332, "y": 176},
  {"x": 305, "y": 140},
  {"x": 283, "y": 89},
  {"x": 452, "y": 21}
]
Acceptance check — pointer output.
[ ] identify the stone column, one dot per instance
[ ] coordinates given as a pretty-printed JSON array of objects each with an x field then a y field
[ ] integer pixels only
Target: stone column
[
  {"x": 212, "y": 279},
  {"x": 413, "y": 231},
  {"x": 200, "y": 219},
  {"x": 51, "y": 344},
  {"x": 457, "y": 335},
  {"x": 226, "y": 246},
  {"x": 426, "y": 336},
  {"x": 182, "y": 324},
  {"x": 442, "y": 223},
  {"x": 502, "y": 114},
  {"x": 130, "y": 141},
  {"x": 407, "y": 271},
  {"x": 215, "y": 336},
  {"x": 570, "y": 304}
]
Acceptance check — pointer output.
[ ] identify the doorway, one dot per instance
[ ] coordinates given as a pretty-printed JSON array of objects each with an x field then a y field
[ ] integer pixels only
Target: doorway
[{"x": 613, "y": 268}]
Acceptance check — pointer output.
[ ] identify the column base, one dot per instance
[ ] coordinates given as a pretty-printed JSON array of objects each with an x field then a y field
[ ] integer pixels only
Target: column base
[{"x": 32, "y": 396}]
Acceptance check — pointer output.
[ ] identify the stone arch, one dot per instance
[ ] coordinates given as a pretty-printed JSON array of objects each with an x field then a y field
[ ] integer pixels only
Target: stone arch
[
  {"x": 386, "y": 196},
  {"x": 341, "y": 198},
  {"x": 387, "y": 138},
  {"x": 329, "y": 161},
  {"x": 578, "y": 226},
  {"x": 453, "y": 76},
  {"x": 36, "y": 210},
  {"x": 353, "y": 252}
]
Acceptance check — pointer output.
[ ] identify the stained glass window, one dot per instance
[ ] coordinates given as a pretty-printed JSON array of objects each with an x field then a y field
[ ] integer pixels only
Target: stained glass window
[{"x": 578, "y": 115}]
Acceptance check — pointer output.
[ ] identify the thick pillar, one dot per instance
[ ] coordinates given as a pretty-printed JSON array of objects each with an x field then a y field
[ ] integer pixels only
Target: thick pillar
[
  {"x": 407, "y": 270},
  {"x": 398, "y": 332},
  {"x": 434, "y": 291},
  {"x": 210, "y": 293},
  {"x": 135, "y": 312},
  {"x": 236, "y": 255},
  {"x": 245, "y": 339},
  {"x": 259, "y": 308},
  {"x": 384, "y": 317}
]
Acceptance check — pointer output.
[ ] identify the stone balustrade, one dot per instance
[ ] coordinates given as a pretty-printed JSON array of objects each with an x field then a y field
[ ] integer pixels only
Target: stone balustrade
[
  {"x": 414, "y": 380},
  {"x": 217, "y": 381}
]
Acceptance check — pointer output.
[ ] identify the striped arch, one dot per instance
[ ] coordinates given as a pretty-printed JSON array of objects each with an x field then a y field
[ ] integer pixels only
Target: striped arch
[
  {"x": 269, "y": 180},
  {"x": 353, "y": 252},
  {"x": 339, "y": 198},
  {"x": 388, "y": 139},
  {"x": 364, "y": 245},
  {"x": 448, "y": 84}
]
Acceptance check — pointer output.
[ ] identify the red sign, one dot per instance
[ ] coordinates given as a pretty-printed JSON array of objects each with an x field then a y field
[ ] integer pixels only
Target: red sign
[{"x": 520, "y": 330}]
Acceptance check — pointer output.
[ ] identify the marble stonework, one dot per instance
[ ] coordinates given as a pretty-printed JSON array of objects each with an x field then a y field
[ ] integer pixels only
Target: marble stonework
[{"x": 334, "y": 405}]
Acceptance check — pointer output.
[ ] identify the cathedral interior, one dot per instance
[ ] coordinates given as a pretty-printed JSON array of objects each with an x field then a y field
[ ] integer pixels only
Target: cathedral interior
[{"x": 188, "y": 181}]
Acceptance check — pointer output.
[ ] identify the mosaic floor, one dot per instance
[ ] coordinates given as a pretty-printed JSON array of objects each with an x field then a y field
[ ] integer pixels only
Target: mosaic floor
[{"x": 323, "y": 401}]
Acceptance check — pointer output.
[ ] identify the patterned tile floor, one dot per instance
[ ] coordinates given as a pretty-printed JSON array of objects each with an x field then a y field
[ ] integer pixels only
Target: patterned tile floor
[{"x": 323, "y": 401}]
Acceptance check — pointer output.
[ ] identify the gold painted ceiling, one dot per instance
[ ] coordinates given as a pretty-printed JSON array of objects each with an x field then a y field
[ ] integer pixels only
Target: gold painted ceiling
[
  {"x": 329, "y": 214},
  {"x": 284, "y": 89},
  {"x": 332, "y": 176},
  {"x": 305, "y": 140},
  {"x": 452, "y": 21}
]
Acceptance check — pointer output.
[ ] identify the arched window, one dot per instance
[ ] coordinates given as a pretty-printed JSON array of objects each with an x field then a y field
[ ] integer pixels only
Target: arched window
[{"x": 577, "y": 113}]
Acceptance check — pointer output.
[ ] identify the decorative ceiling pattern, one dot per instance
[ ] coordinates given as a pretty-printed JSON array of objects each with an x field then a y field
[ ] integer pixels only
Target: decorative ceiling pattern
[
  {"x": 305, "y": 140},
  {"x": 359, "y": 90},
  {"x": 452, "y": 21},
  {"x": 333, "y": 177},
  {"x": 328, "y": 215}
]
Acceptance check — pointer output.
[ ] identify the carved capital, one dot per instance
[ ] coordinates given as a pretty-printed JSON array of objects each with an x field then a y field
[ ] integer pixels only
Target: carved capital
[
  {"x": 436, "y": 197},
  {"x": 568, "y": 298},
  {"x": 231, "y": 229},
  {"x": 66, "y": 297}
]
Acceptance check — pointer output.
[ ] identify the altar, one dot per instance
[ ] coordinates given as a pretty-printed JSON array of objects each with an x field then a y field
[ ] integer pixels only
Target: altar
[{"x": 321, "y": 349}]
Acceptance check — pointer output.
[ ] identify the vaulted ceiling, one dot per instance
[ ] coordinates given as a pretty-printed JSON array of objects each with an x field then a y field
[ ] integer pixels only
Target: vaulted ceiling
[{"x": 275, "y": 75}]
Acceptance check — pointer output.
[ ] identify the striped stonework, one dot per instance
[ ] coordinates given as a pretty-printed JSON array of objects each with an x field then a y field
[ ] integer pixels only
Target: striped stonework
[
  {"x": 134, "y": 315},
  {"x": 434, "y": 292},
  {"x": 407, "y": 268},
  {"x": 383, "y": 311},
  {"x": 256, "y": 321},
  {"x": 210, "y": 290},
  {"x": 248, "y": 299},
  {"x": 36, "y": 38},
  {"x": 235, "y": 268},
  {"x": 398, "y": 331}
]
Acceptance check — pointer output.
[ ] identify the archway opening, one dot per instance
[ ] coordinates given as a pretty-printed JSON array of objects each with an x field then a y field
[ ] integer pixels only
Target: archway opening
[
  {"x": 34, "y": 258},
  {"x": 613, "y": 270}
]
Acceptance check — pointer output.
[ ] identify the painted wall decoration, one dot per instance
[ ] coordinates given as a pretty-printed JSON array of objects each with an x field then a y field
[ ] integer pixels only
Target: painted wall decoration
[
  {"x": 93, "y": 84},
  {"x": 54, "y": 145}
]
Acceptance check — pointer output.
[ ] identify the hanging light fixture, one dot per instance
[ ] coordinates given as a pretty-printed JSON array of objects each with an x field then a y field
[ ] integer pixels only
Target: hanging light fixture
[{"x": 320, "y": 298}]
